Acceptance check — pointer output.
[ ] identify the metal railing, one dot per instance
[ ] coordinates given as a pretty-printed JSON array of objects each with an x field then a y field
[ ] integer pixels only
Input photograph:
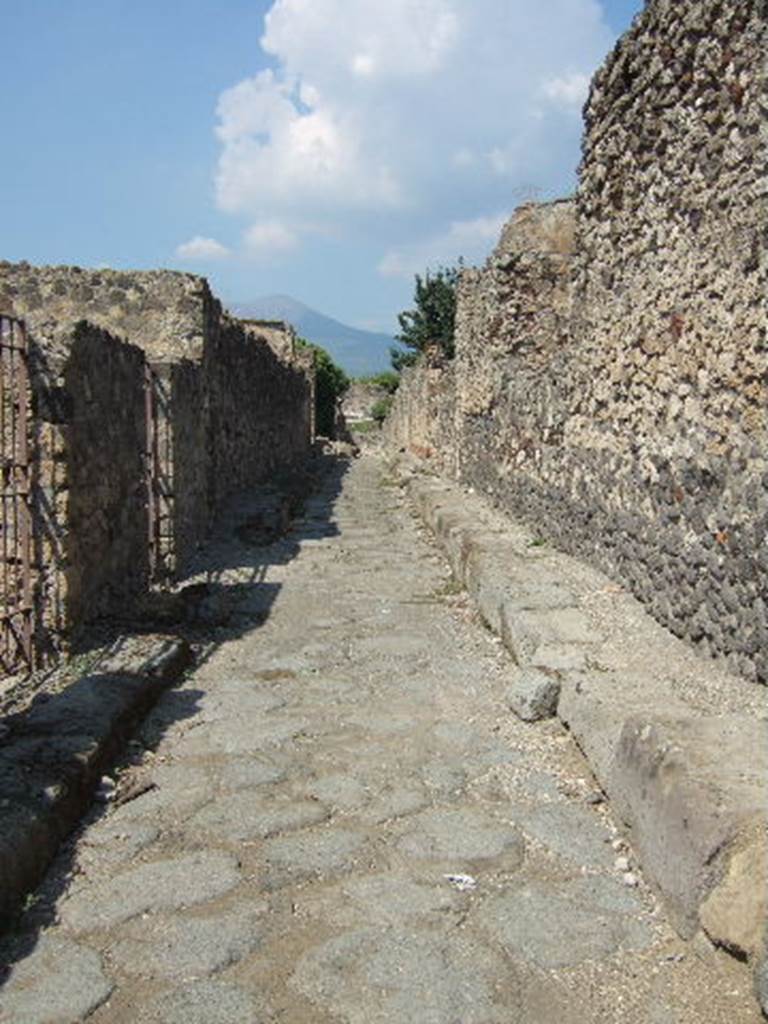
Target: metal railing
[
  {"x": 158, "y": 463},
  {"x": 16, "y": 604}
]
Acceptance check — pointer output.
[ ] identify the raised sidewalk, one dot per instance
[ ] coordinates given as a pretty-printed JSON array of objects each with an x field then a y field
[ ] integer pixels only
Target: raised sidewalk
[
  {"x": 679, "y": 746},
  {"x": 53, "y": 754}
]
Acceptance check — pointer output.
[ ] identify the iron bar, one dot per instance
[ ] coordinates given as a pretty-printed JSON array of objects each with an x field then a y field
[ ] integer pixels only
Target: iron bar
[{"x": 16, "y": 605}]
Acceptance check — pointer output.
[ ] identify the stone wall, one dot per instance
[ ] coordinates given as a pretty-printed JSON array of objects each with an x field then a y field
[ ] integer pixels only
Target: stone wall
[
  {"x": 106, "y": 525},
  {"x": 210, "y": 404},
  {"x": 52, "y": 411},
  {"x": 258, "y": 407},
  {"x": 279, "y": 335},
  {"x": 167, "y": 314},
  {"x": 512, "y": 350},
  {"x": 421, "y": 420},
  {"x": 611, "y": 356},
  {"x": 87, "y": 498},
  {"x": 359, "y": 399},
  {"x": 304, "y": 424},
  {"x": 252, "y": 394},
  {"x": 667, "y": 454},
  {"x": 185, "y": 488}
]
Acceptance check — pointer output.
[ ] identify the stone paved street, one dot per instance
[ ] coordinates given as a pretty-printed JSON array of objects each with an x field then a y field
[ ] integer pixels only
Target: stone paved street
[{"x": 345, "y": 824}]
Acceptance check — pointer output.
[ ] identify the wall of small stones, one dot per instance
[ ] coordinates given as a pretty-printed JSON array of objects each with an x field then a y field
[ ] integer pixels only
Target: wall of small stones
[
  {"x": 279, "y": 335},
  {"x": 611, "y": 356},
  {"x": 359, "y": 399},
  {"x": 667, "y": 453},
  {"x": 167, "y": 314},
  {"x": 421, "y": 420},
  {"x": 52, "y": 411},
  {"x": 230, "y": 408},
  {"x": 513, "y": 349},
  {"x": 185, "y": 460},
  {"x": 106, "y": 561},
  {"x": 87, "y": 439},
  {"x": 259, "y": 407},
  {"x": 303, "y": 424}
]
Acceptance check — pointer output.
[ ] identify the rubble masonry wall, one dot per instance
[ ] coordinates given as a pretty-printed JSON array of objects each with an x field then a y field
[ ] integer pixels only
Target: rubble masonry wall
[
  {"x": 227, "y": 408},
  {"x": 611, "y": 356}
]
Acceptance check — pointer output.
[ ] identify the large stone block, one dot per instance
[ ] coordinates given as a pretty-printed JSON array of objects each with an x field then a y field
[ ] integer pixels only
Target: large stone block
[
  {"x": 693, "y": 789},
  {"x": 735, "y": 913}
]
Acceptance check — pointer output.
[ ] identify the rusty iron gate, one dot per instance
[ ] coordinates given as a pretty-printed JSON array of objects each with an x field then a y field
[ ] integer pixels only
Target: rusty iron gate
[
  {"x": 159, "y": 474},
  {"x": 16, "y": 604}
]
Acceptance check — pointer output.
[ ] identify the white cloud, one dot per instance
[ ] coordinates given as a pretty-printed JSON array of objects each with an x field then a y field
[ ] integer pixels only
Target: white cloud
[
  {"x": 570, "y": 90},
  {"x": 202, "y": 249},
  {"x": 468, "y": 239},
  {"x": 279, "y": 151},
  {"x": 502, "y": 159},
  {"x": 322, "y": 39},
  {"x": 464, "y": 157},
  {"x": 364, "y": 65},
  {"x": 269, "y": 238},
  {"x": 400, "y": 118}
]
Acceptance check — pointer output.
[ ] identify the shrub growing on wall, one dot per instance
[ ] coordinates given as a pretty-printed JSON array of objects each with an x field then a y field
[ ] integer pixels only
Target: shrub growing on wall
[
  {"x": 380, "y": 410},
  {"x": 388, "y": 381},
  {"x": 330, "y": 384},
  {"x": 430, "y": 324}
]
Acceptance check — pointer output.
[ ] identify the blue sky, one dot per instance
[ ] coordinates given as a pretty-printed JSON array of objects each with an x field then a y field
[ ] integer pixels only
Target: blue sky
[{"x": 328, "y": 152}]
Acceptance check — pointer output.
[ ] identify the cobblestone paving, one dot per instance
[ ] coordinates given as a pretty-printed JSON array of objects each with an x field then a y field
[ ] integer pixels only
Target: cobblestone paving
[{"x": 346, "y": 824}]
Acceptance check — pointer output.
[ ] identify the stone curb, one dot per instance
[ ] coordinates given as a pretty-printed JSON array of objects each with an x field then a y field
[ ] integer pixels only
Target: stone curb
[
  {"x": 53, "y": 755},
  {"x": 690, "y": 786}
]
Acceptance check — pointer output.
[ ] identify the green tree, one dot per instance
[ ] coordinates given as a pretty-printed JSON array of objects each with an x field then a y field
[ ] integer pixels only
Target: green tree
[
  {"x": 330, "y": 384},
  {"x": 431, "y": 323}
]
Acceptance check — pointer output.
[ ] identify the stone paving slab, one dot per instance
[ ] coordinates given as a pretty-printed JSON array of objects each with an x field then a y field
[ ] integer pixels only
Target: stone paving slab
[
  {"x": 187, "y": 947},
  {"x": 329, "y": 827},
  {"x": 167, "y": 884},
  {"x": 64, "y": 981}
]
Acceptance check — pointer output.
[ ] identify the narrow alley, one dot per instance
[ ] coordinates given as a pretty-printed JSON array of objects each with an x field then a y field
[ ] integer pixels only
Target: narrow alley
[{"x": 338, "y": 820}]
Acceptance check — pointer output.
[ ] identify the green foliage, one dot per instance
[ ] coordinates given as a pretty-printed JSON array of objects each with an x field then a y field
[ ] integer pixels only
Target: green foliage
[
  {"x": 380, "y": 410},
  {"x": 364, "y": 427},
  {"x": 388, "y": 380},
  {"x": 402, "y": 359},
  {"x": 430, "y": 324},
  {"x": 330, "y": 384}
]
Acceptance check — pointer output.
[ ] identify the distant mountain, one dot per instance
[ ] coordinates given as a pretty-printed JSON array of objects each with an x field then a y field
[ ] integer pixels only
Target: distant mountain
[{"x": 358, "y": 352}]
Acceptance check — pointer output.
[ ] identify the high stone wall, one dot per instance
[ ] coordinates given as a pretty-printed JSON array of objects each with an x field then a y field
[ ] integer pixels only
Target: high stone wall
[
  {"x": 670, "y": 290},
  {"x": 224, "y": 408},
  {"x": 512, "y": 347},
  {"x": 106, "y": 563},
  {"x": 280, "y": 336},
  {"x": 185, "y": 463},
  {"x": 165, "y": 313},
  {"x": 170, "y": 316},
  {"x": 421, "y": 419},
  {"x": 359, "y": 399},
  {"x": 254, "y": 391},
  {"x": 259, "y": 407},
  {"x": 611, "y": 371},
  {"x": 86, "y": 439}
]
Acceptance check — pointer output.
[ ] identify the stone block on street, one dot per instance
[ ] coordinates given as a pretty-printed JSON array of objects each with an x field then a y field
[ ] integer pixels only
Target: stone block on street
[{"x": 533, "y": 695}]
